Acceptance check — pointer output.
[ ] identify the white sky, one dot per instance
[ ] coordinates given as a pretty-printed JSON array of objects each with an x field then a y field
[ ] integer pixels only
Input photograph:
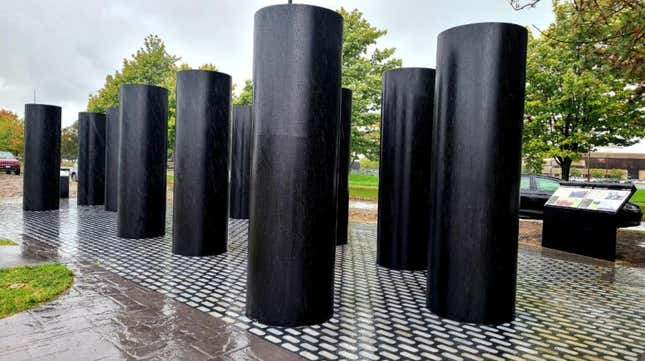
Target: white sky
[{"x": 64, "y": 49}]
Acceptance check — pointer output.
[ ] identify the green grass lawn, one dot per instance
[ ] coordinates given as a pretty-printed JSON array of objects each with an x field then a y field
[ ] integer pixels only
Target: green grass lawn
[
  {"x": 7, "y": 242},
  {"x": 363, "y": 187},
  {"x": 22, "y": 288},
  {"x": 639, "y": 198}
]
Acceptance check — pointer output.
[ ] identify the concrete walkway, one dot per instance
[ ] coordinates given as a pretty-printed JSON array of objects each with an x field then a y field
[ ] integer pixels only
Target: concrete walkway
[
  {"x": 14, "y": 256},
  {"x": 106, "y": 317}
]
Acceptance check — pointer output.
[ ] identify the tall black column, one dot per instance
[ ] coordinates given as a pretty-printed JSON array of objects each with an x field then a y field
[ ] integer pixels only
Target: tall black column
[
  {"x": 83, "y": 156},
  {"x": 404, "y": 172},
  {"x": 475, "y": 176},
  {"x": 296, "y": 109},
  {"x": 112, "y": 159},
  {"x": 142, "y": 160},
  {"x": 200, "y": 208},
  {"x": 91, "y": 159},
  {"x": 241, "y": 160},
  {"x": 342, "y": 187},
  {"x": 41, "y": 178}
]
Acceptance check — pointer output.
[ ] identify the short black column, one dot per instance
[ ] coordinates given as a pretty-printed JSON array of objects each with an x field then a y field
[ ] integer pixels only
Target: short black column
[
  {"x": 64, "y": 184},
  {"x": 91, "y": 159},
  {"x": 475, "y": 176},
  {"x": 41, "y": 189},
  {"x": 241, "y": 160},
  {"x": 296, "y": 110},
  {"x": 142, "y": 160},
  {"x": 404, "y": 172},
  {"x": 112, "y": 159},
  {"x": 342, "y": 187},
  {"x": 200, "y": 208}
]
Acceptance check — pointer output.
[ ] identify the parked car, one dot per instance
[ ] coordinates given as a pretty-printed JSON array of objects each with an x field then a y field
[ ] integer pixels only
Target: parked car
[
  {"x": 535, "y": 190},
  {"x": 9, "y": 163}
]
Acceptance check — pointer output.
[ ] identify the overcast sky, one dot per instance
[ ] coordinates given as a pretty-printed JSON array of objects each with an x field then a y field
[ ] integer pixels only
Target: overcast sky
[{"x": 64, "y": 49}]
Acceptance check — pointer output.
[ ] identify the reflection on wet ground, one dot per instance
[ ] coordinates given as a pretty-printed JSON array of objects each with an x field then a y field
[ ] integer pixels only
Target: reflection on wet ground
[
  {"x": 106, "y": 317},
  {"x": 134, "y": 299},
  {"x": 19, "y": 255}
]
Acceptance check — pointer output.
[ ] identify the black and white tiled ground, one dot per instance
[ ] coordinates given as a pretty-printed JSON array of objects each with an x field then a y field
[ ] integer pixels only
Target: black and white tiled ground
[{"x": 565, "y": 310}]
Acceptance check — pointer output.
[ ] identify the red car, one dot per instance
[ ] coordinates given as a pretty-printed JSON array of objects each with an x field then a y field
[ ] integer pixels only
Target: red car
[{"x": 9, "y": 163}]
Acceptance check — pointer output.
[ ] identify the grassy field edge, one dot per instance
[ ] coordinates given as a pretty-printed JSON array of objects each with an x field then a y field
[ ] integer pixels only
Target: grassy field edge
[{"x": 25, "y": 287}]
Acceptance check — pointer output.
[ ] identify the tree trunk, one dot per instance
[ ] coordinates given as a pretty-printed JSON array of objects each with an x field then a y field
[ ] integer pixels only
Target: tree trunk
[{"x": 565, "y": 165}]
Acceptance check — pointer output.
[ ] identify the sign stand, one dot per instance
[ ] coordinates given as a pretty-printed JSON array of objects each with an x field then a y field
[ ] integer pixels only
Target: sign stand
[{"x": 582, "y": 218}]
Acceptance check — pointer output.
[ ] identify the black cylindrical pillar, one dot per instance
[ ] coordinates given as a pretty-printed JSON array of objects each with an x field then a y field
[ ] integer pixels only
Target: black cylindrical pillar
[
  {"x": 83, "y": 156},
  {"x": 111, "y": 159},
  {"x": 142, "y": 161},
  {"x": 200, "y": 208},
  {"x": 64, "y": 184},
  {"x": 41, "y": 189},
  {"x": 404, "y": 172},
  {"x": 296, "y": 109},
  {"x": 475, "y": 173},
  {"x": 241, "y": 160},
  {"x": 91, "y": 159},
  {"x": 342, "y": 168}
]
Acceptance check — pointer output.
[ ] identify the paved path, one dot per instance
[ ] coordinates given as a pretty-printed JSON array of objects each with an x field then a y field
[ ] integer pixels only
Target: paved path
[
  {"x": 14, "y": 256},
  {"x": 105, "y": 317},
  {"x": 567, "y": 307}
]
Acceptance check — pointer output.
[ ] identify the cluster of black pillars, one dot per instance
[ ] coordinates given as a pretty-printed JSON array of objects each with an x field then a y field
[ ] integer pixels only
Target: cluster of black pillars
[{"x": 450, "y": 168}]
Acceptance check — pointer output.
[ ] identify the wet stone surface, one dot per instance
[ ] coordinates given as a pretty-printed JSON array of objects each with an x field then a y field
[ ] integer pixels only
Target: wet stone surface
[
  {"x": 15, "y": 256},
  {"x": 134, "y": 299}
]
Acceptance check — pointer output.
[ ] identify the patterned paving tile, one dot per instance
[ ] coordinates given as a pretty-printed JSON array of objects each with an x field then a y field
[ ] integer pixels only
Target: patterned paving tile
[{"x": 565, "y": 310}]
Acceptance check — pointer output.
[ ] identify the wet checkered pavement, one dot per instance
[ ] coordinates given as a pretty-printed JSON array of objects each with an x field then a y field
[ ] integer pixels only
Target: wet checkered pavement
[{"x": 568, "y": 307}]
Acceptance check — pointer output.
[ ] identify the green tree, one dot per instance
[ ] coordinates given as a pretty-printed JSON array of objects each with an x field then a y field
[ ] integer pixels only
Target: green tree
[
  {"x": 12, "y": 132},
  {"x": 171, "y": 84},
  {"x": 534, "y": 163},
  {"x": 363, "y": 67},
  {"x": 573, "y": 104},
  {"x": 607, "y": 34},
  {"x": 69, "y": 142},
  {"x": 246, "y": 95},
  {"x": 151, "y": 65}
]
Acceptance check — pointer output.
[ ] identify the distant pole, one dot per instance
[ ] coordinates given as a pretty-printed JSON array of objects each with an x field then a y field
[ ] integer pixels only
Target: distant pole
[{"x": 34, "y": 96}]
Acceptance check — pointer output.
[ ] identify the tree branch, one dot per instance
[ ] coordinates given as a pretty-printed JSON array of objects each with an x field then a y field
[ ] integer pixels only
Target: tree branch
[{"x": 517, "y": 4}]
